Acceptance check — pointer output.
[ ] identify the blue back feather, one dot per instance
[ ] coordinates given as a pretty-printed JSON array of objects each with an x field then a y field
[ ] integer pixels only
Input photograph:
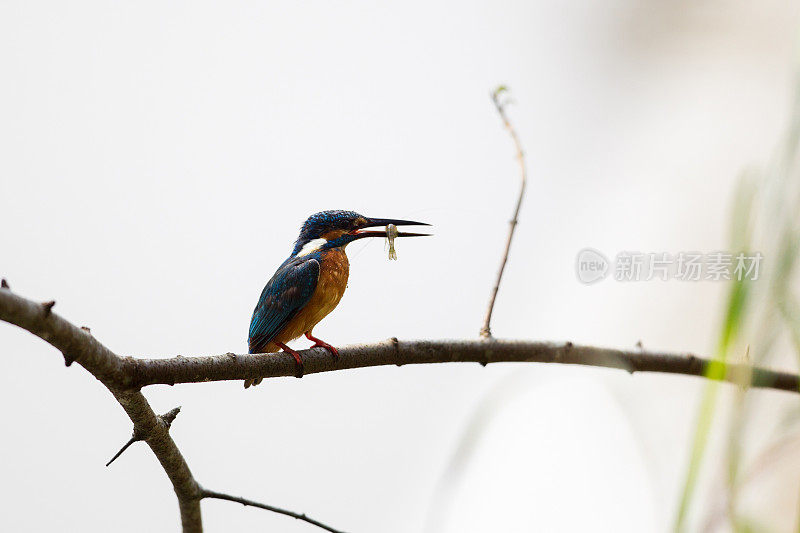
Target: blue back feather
[{"x": 289, "y": 290}]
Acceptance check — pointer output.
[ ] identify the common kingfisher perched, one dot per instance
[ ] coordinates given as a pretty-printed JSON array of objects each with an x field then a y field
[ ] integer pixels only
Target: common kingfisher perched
[{"x": 310, "y": 283}]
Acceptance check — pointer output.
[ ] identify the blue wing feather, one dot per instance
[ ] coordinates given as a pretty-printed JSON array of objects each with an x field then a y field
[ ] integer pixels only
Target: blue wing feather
[{"x": 285, "y": 294}]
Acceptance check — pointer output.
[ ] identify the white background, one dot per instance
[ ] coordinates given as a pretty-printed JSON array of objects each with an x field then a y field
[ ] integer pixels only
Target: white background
[{"x": 157, "y": 159}]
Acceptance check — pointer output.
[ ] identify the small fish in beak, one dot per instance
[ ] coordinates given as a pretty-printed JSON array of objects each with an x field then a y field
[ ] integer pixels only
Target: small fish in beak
[{"x": 391, "y": 235}]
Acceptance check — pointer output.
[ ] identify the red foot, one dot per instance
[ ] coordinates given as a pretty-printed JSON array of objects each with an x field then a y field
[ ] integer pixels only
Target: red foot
[
  {"x": 296, "y": 356},
  {"x": 322, "y": 344}
]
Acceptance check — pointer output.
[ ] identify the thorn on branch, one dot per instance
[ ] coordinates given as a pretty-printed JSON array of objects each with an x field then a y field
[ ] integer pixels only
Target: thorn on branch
[
  {"x": 48, "y": 307},
  {"x": 169, "y": 417},
  {"x": 134, "y": 438},
  {"x": 165, "y": 420},
  {"x": 485, "y": 360},
  {"x": 4, "y": 284},
  {"x": 396, "y": 345}
]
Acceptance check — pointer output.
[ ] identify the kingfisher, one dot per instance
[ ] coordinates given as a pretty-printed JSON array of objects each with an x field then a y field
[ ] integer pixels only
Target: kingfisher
[{"x": 310, "y": 283}]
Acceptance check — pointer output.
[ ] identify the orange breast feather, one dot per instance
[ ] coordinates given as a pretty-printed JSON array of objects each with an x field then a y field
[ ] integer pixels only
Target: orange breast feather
[{"x": 334, "y": 271}]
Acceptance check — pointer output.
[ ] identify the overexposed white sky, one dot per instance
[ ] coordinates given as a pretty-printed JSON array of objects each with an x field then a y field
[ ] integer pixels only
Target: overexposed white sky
[{"x": 157, "y": 159}]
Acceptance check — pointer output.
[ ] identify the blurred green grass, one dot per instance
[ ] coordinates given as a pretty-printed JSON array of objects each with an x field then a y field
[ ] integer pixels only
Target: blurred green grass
[{"x": 765, "y": 217}]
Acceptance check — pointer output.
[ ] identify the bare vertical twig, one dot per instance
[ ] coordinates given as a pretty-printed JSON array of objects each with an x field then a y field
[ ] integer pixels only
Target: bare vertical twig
[{"x": 486, "y": 330}]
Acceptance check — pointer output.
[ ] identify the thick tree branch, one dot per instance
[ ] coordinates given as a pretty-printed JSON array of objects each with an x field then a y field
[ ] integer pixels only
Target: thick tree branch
[
  {"x": 395, "y": 352},
  {"x": 75, "y": 343},
  {"x": 157, "y": 436},
  {"x": 78, "y": 345},
  {"x": 220, "y": 496},
  {"x": 125, "y": 376},
  {"x": 486, "y": 330}
]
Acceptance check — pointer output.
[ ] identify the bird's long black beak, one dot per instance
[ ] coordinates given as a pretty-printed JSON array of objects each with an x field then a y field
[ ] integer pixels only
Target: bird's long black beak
[{"x": 375, "y": 222}]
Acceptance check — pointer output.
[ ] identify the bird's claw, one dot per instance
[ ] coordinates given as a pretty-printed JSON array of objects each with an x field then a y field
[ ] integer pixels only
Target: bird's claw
[
  {"x": 333, "y": 351},
  {"x": 297, "y": 359},
  {"x": 298, "y": 373},
  {"x": 319, "y": 343}
]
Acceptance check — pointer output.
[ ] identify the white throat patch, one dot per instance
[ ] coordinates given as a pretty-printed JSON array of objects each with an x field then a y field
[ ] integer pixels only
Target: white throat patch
[{"x": 311, "y": 246}]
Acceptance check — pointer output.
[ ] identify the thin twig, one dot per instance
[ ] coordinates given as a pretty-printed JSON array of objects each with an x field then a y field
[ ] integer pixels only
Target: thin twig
[
  {"x": 220, "y": 496},
  {"x": 486, "y": 330}
]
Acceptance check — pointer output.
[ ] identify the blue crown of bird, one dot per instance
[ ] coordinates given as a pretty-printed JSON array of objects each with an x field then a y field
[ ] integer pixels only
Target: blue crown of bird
[{"x": 310, "y": 283}]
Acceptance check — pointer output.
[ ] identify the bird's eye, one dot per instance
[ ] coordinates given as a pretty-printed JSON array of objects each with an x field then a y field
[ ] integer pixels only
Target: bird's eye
[{"x": 360, "y": 221}]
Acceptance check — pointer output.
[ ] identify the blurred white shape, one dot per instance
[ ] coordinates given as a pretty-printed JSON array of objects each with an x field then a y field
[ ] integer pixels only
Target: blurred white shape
[{"x": 561, "y": 457}]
